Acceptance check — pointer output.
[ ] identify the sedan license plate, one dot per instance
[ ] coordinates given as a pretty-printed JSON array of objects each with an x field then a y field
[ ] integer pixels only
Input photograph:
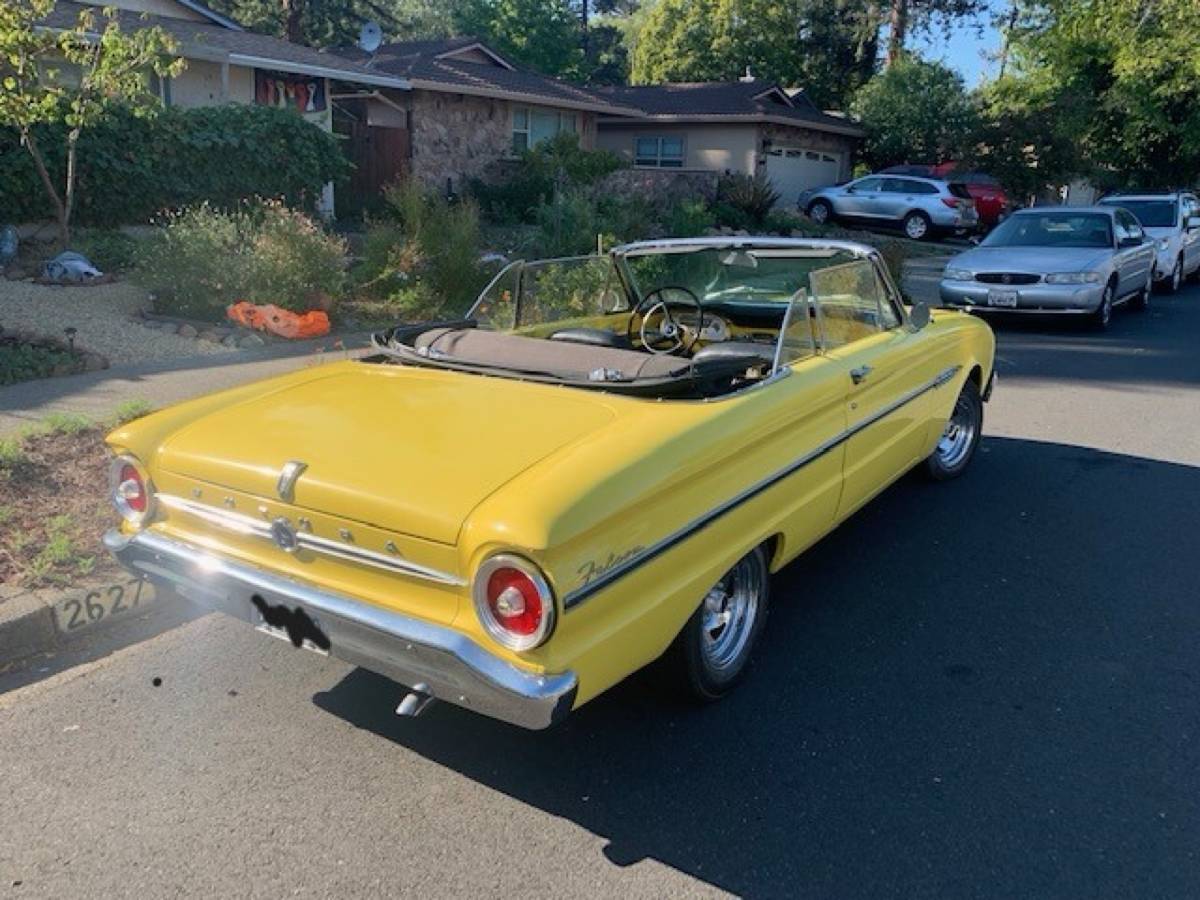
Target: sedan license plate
[{"x": 1005, "y": 299}]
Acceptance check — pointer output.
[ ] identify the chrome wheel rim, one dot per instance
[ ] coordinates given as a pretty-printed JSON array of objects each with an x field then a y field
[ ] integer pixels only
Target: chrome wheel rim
[
  {"x": 915, "y": 227},
  {"x": 1177, "y": 275},
  {"x": 729, "y": 612},
  {"x": 959, "y": 435},
  {"x": 819, "y": 213}
]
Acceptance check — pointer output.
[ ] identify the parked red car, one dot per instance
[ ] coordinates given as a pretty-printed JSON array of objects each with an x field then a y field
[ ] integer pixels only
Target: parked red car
[{"x": 991, "y": 202}]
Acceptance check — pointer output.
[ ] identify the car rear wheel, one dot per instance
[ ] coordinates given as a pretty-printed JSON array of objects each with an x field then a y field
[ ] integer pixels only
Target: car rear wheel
[
  {"x": 710, "y": 654},
  {"x": 917, "y": 226},
  {"x": 820, "y": 212},
  {"x": 1103, "y": 314},
  {"x": 956, "y": 447}
]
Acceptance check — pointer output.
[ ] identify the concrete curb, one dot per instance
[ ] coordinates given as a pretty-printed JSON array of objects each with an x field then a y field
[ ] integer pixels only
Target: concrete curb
[
  {"x": 26, "y": 623},
  {"x": 29, "y": 626}
]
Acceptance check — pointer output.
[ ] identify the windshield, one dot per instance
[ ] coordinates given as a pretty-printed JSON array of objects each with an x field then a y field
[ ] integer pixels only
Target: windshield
[
  {"x": 731, "y": 277},
  {"x": 575, "y": 290},
  {"x": 1052, "y": 229},
  {"x": 1151, "y": 213}
]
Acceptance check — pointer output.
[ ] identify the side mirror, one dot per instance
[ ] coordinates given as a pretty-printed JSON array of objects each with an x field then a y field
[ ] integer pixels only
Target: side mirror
[
  {"x": 1129, "y": 242},
  {"x": 918, "y": 316},
  {"x": 851, "y": 189},
  {"x": 1193, "y": 222}
]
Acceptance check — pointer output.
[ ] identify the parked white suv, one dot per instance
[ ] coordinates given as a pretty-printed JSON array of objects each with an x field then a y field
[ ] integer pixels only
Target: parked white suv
[
  {"x": 1172, "y": 220},
  {"x": 920, "y": 206}
]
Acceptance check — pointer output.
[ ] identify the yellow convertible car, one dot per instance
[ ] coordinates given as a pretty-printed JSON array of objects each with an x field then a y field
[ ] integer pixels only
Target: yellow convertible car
[{"x": 600, "y": 465}]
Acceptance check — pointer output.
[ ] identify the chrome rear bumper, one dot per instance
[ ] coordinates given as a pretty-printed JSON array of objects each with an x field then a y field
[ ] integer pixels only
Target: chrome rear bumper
[{"x": 448, "y": 665}]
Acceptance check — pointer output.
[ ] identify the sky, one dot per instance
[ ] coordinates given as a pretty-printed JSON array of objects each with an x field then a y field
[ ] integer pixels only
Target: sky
[{"x": 965, "y": 49}]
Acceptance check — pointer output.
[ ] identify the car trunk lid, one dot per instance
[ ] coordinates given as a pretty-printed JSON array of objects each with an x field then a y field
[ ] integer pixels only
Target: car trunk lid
[{"x": 406, "y": 450}]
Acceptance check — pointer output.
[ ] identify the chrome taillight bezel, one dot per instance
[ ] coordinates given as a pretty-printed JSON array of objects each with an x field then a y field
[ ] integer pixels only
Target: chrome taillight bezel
[
  {"x": 483, "y": 609},
  {"x": 136, "y": 518}
]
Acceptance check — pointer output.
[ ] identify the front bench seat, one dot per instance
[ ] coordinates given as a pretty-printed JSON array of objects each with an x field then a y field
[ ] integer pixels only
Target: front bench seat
[{"x": 558, "y": 358}]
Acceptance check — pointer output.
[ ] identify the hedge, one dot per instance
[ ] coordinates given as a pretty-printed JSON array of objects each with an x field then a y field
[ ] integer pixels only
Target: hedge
[{"x": 131, "y": 168}]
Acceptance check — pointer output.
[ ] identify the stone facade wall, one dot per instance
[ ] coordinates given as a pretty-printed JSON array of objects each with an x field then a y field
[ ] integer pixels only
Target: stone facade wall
[
  {"x": 455, "y": 136},
  {"x": 459, "y": 137},
  {"x": 790, "y": 135},
  {"x": 662, "y": 187}
]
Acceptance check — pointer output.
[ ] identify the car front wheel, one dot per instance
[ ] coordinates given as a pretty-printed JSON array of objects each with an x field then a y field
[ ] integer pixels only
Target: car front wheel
[
  {"x": 957, "y": 444},
  {"x": 1142, "y": 301},
  {"x": 710, "y": 654},
  {"x": 1103, "y": 314},
  {"x": 1175, "y": 280}
]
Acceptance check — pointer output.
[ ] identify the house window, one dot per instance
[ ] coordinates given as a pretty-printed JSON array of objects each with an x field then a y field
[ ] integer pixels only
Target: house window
[
  {"x": 658, "y": 152},
  {"x": 532, "y": 125}
]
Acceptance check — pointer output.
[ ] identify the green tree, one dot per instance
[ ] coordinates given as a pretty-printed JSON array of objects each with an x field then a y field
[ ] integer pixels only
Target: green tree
[
  {"x": 1123, "y": 77},
  {"x": 336, "y": 23},
  {"x": 828, "y": 47},
  {"x": 904, "y": 17},
  {"x": 111, "y": 66},
  {"x": 915, "y": 111},
  {"x": 1019, "y": 138},
  {"x": 542, "y": 34}
]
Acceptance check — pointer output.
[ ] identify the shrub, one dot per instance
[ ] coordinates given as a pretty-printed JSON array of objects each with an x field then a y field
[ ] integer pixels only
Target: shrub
[
  {"x": 690, "y": 218},
  {"x": 205, "y": 258},
  {"x": 752, "y": 197},
  {"x": 425, "y": 258},
  {"x": 567, "y": 224},
  {"x": 550, "y": 166},
  {"x": 109, "y": 251},
  {"x": 131, "y": 168}
]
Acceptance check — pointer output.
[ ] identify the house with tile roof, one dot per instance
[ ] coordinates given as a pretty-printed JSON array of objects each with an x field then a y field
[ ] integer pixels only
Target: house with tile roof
[{"x": 747, "y": 126}]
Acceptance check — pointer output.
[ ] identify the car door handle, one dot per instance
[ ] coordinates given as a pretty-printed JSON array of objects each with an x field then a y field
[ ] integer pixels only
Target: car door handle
[{"x": 859, "y": 374}]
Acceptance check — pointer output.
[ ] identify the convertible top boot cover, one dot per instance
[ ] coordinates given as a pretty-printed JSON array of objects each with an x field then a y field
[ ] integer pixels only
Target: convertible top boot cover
[{"x": 558, "y": 358}]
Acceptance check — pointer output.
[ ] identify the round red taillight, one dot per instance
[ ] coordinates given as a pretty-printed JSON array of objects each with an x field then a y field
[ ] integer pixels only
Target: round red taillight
[
  {"x": 132, "y": 493},
  {"x": 132, "y": 489},
  {"x": 514, "y": 602}
]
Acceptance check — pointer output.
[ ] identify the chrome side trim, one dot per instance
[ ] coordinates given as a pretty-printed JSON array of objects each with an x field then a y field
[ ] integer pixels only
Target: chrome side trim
[
  {"x": 580, "y": 594},
  {"x": 242, "y": 524},
  {"x": 448, "y": 664}
]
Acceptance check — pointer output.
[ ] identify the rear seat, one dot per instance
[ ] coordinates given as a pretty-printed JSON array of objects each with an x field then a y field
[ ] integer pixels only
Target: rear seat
[{"x": 559, "y": 358}]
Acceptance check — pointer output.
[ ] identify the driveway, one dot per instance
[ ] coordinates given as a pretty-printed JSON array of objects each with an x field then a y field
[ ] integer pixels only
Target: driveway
[{"x": 985, "y": 688}]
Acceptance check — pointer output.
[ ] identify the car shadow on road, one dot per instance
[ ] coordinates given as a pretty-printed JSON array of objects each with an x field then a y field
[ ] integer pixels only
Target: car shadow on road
[{"x": 984, "y": 688}]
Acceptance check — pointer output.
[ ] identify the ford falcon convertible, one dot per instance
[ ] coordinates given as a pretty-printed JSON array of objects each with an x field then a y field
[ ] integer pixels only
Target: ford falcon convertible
[{"x": 600, "y": 465}]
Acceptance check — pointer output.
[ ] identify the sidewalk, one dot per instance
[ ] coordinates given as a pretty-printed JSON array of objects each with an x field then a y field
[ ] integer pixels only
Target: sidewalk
[{"x": 97, "y": 395}]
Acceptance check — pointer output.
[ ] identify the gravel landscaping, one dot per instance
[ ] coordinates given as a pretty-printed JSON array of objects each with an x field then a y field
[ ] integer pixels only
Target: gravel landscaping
[{"x": 101, "y": 314}]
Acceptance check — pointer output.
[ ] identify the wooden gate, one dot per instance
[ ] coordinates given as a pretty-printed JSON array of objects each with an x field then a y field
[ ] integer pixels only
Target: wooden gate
[{"x": 379, "y": 154}]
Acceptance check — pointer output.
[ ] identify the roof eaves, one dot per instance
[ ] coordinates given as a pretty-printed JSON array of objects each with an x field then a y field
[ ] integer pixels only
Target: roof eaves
[
  {"x": 482, "y": 48},
  {"x": 454, "y": 87},
  {"x": 330, "y": 71},
  {"x": 739, "y": 118}
]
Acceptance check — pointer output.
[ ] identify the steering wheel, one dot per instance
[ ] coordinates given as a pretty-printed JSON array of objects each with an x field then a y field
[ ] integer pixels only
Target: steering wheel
[{"x": 671, "y": 336}]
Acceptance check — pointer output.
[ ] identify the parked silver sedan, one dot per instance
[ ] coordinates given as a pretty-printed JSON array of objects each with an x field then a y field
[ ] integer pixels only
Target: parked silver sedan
[
  {"x": 1062, "y": 260},
  {"x": 921, "y": 207}
]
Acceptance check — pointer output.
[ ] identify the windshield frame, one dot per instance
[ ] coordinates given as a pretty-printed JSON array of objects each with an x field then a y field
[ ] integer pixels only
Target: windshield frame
[{"x": 620, "y": 255}]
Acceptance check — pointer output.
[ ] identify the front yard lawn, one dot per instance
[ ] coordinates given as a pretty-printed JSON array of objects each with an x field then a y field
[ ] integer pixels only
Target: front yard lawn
[{"x": 54, "y": 504}]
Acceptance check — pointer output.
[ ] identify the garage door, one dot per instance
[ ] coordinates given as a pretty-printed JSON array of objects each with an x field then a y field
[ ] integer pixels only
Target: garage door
[{"x": 795, "y": 169}]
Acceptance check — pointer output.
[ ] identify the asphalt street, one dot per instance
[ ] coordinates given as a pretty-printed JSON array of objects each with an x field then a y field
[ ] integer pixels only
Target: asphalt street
[{"x": 986, "y": 688}]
